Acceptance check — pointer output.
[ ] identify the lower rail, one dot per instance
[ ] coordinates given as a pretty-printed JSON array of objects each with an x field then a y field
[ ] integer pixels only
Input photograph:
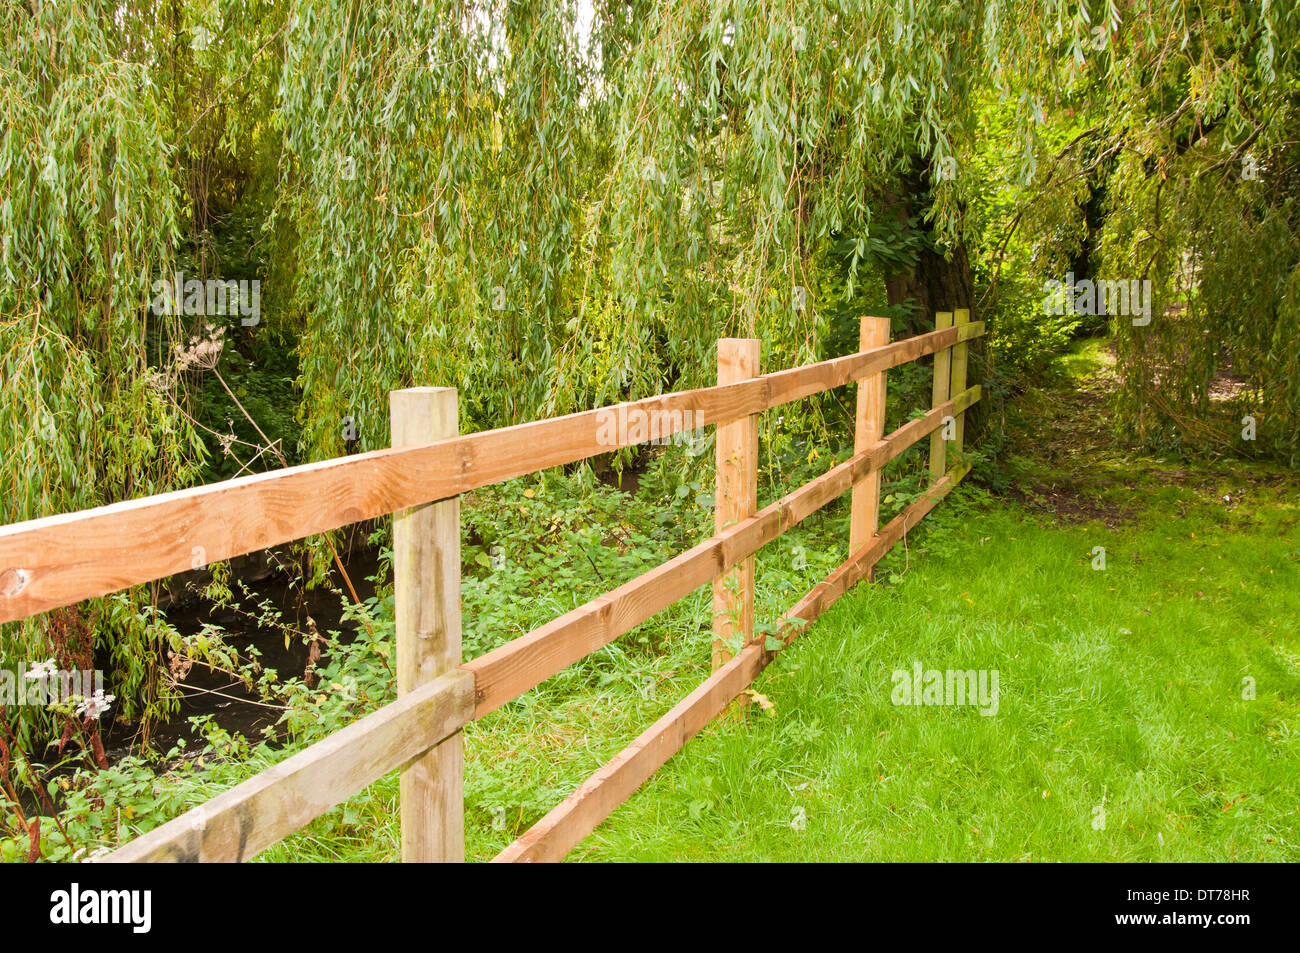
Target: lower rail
[
  {"x": 564, "y": 827},
  {"x": 270, "y": 806}
]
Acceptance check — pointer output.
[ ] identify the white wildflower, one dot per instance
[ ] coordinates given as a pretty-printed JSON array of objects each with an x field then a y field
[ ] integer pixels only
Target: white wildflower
[
  {"x": 96, "y": 704},
  {"x": 44, "y": 669}
]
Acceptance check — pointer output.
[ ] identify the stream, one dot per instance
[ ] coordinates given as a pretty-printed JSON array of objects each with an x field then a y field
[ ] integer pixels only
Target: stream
[{"x": 232, "y": 706}]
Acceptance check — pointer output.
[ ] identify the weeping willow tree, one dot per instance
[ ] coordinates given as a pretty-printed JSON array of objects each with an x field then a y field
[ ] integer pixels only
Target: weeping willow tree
[
  {"x": 1169, "y": 157},
  {"x": 89, "y": 215},
  {"x": 555, "y": 204},
  {"x": 435, "y": 172},
  {"x": 488, "y": 196},
  {"x": 1204, "y": 206},
  {"x": 571, "y": 215}
]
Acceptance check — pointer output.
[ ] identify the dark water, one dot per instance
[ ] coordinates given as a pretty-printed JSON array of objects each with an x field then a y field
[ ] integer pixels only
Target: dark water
[{"x": 234, "y": 707}]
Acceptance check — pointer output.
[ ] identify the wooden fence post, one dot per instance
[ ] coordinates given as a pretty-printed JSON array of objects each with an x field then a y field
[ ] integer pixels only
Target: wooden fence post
[
  {"x": 736, "y": 498},
  {"x": 426, "y": 580},
  {"x": 959, "y": 356},
  {"x": 864, "y": 516},
  {"x": 939, "y": 395}
]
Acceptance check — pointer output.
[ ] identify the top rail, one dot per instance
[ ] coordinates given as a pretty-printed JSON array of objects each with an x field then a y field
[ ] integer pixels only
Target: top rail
[{"x": 59, "y": 560}]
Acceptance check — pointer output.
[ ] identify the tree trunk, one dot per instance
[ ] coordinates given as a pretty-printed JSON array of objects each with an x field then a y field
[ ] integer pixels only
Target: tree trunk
[
  {"x": 936, "y": 282},
  {"x": 933, "y": 284}
]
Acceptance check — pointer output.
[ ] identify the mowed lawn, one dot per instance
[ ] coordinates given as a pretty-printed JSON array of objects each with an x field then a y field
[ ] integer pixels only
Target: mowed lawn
[{"x": 1125, "y": 729}]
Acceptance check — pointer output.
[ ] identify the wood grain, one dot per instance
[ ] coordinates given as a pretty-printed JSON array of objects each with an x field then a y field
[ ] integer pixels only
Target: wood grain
[
  {"x": 939, "y": 394},
  {"x": 869, "y": 425},
  {"x": 426, "y": 597},
  {"x": 960, "y": 358},
  {"x": 735, "y": 499}
]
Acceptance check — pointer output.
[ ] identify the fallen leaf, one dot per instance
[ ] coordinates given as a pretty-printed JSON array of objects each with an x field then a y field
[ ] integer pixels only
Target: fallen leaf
[{"x": 763, "y": 701}]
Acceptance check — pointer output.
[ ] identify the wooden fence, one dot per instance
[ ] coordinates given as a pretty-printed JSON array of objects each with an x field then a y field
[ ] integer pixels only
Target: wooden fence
[{"x": 60, "y": 560}]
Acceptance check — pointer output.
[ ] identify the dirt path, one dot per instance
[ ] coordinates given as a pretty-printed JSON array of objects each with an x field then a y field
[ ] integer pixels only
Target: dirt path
[{"x": 1064, "y": 457}]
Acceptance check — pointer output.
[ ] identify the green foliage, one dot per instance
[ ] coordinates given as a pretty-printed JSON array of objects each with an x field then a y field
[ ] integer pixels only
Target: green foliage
[
  {"x": 1226, "y": 343},
  {"x": 88, "y": 211},
  {"x": 1025, "y": 342}
]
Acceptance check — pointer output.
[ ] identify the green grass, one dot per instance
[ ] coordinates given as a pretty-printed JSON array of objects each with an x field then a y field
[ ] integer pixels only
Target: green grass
[{"x": 1121, "y": 687}]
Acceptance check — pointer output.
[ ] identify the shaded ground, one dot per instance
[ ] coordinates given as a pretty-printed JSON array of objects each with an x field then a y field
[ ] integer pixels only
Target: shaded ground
[{"x": 1065, "y": 460}]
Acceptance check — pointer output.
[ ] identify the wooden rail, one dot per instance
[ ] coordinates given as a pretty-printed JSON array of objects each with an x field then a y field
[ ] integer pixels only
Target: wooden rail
[
  {"x": 273, "y": 804},
  {"x": 59, "y": 560},
  {"x": 507, "y": 672},
  {"x": 559, "y": 831}
]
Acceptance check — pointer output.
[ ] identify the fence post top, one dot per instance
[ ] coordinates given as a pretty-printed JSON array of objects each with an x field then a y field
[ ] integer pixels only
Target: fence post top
[
  {"x": 422, "y": 390},
  {"x": 423, "y": 400}
]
